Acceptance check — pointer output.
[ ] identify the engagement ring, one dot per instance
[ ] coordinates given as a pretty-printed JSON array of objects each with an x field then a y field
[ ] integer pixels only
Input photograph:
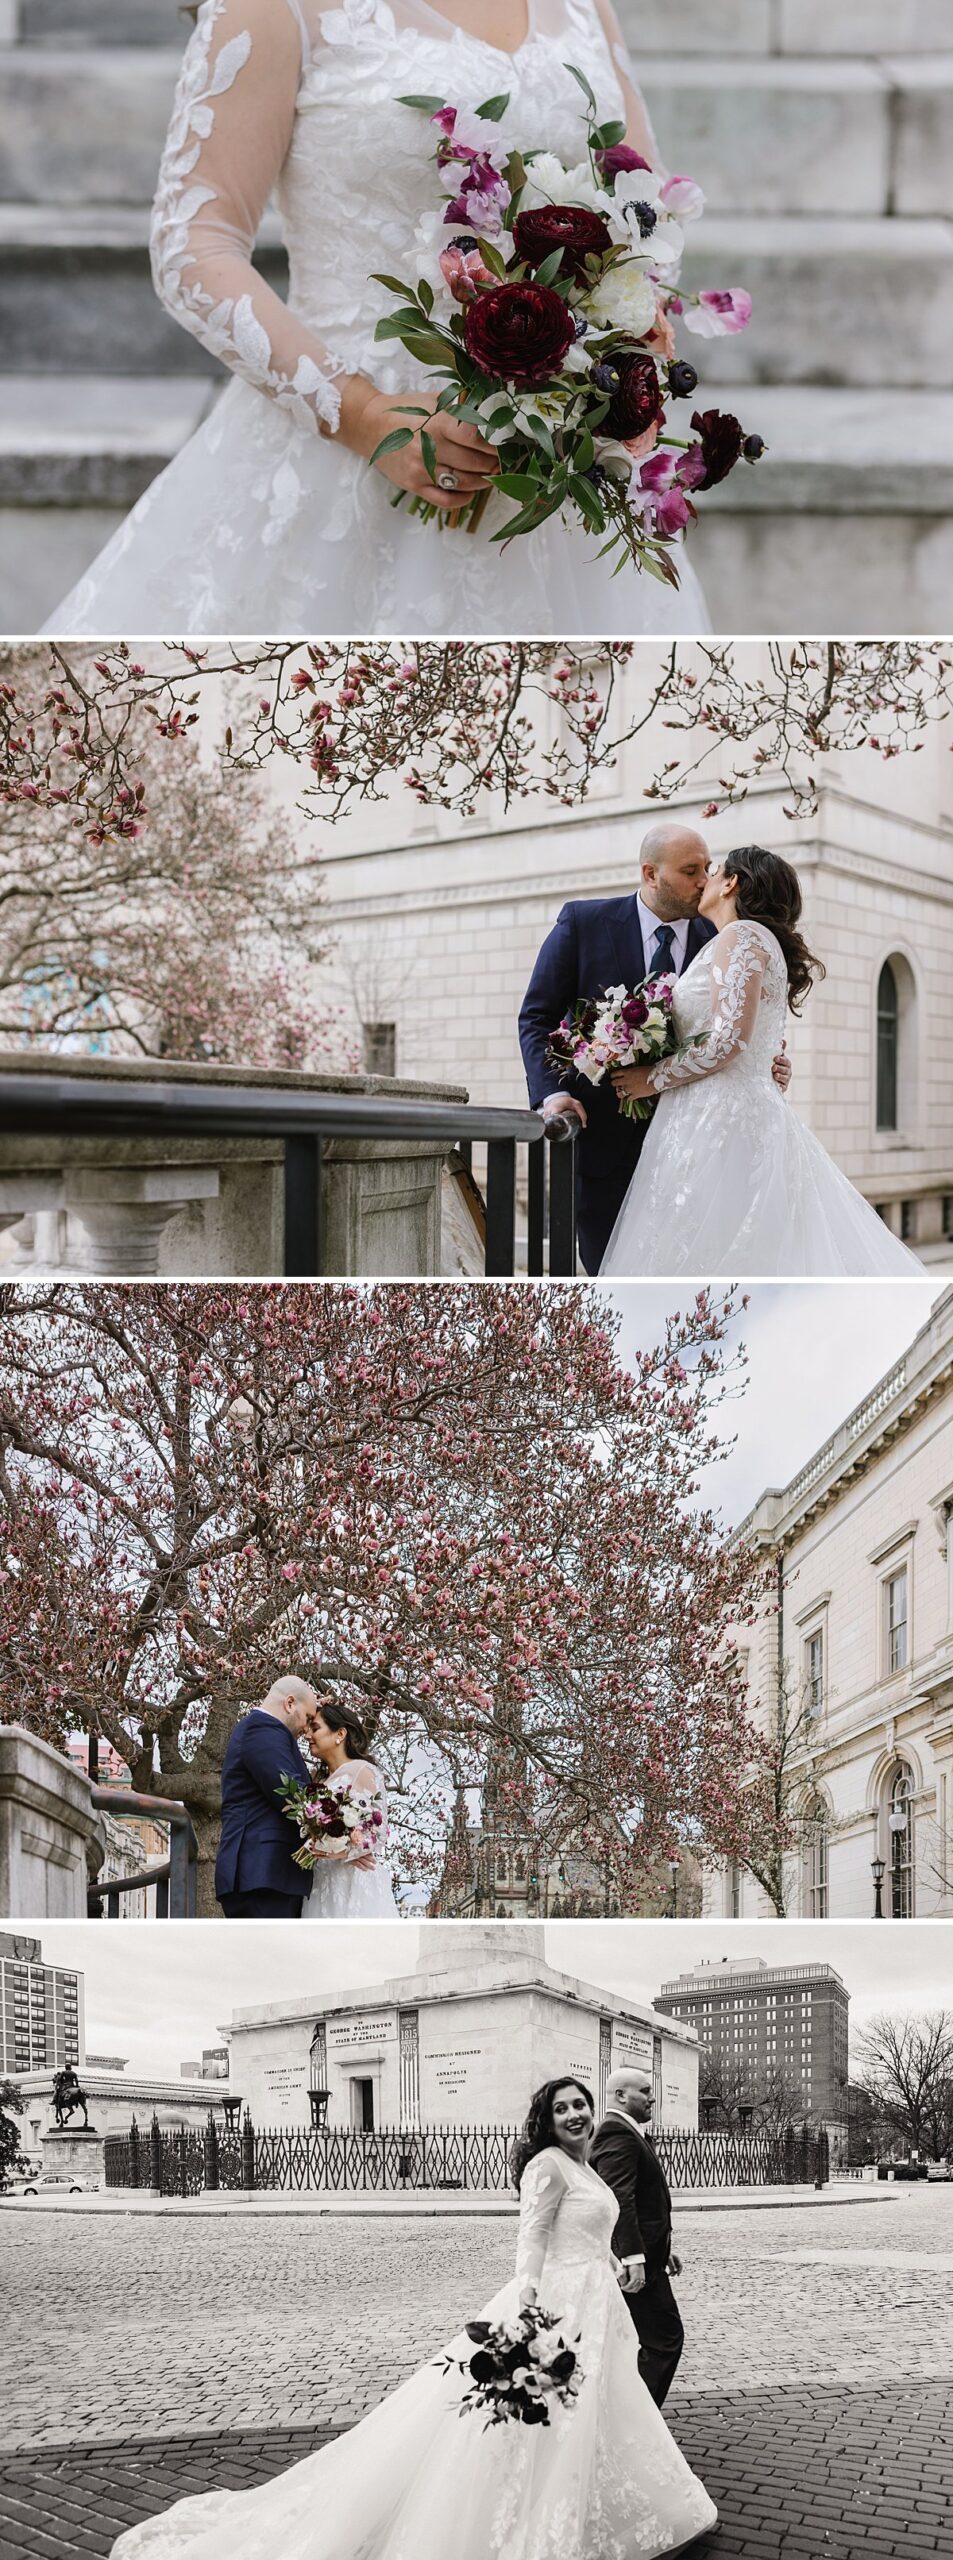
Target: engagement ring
[{"x": 447, "y": 480}]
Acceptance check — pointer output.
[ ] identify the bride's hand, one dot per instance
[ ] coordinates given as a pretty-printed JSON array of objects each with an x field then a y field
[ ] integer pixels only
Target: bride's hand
[
  {"x": 368, "y": 415},
  {"x": 633, "y": 1082}
]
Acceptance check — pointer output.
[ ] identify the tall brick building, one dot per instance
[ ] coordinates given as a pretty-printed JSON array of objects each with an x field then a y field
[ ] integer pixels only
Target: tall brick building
[{"x": 771, "y": 2021}]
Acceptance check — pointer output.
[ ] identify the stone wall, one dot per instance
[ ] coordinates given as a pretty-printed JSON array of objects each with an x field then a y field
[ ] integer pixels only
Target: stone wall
[{"x": 51, "y": 1839}]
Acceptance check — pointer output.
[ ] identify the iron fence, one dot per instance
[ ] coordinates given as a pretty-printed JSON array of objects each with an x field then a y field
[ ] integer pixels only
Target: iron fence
[
  {"x": 441, "y": 2159},
  {"x": 174, "y": 1877},
  {"x": 64, "y": 1104}
]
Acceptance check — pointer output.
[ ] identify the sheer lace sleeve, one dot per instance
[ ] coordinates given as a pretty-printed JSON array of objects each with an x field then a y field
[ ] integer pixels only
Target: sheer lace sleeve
[
  {"x": 228, "y": 139},
  {"x": 738, "y": 962},
  {"x": 365, "y": 1778},
  {"x": 541, "y": 2193},
  {"x": 638, "y": 128}
]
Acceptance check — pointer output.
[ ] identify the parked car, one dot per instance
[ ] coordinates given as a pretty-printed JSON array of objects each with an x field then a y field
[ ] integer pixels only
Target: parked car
[{"x": 40, "y": 2182}]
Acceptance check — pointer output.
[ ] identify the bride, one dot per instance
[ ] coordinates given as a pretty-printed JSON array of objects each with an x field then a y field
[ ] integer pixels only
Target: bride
[
  {"x": 416, "y": 2480},
  {"x": 730, "y": 1183},
  {"x": 345, "y": 1887},
  {"x": 269, "y": 518}
]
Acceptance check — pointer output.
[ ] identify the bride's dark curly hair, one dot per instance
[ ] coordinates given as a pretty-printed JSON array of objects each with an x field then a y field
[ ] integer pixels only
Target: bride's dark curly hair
[
  {"x": 537, "y": 2133},
  {"x": 344, "y": 1720},
  {"x": 769, "y": 892}
]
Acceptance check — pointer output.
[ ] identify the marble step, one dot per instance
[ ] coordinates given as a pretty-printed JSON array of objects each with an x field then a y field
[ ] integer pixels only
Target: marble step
[
  {"x": 763, "y": 136},
  {"x": 835, "y": 300},
  {"x": 107, "y": 22},
  {"x": 781, "y": 26},
  {"x": 860, "y": 479}
]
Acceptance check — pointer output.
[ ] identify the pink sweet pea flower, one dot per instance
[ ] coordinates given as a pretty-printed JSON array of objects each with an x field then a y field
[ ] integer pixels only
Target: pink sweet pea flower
[
  {"x": 719, "y": 315},
  {"x": 683, "y": 198},
  {"x": 672, "y": 513},
  {"x": 691, "y": 468}
]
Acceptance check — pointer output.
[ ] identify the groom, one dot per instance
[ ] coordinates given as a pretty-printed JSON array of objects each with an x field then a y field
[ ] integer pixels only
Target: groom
[
  {"x": 622, "y": 2152},
  {"x": 608, "y": 942},
  {"x": 255, "y": 1874}
]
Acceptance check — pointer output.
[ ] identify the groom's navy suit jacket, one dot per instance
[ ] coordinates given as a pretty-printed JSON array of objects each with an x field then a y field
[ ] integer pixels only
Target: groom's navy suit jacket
[
  {"x": 257, "y": 1840},
  {"x": 595, "y": 943}
]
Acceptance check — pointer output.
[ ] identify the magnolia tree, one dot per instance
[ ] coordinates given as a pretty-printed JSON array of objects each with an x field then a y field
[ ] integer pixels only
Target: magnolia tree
[
  {"x": 454, "y": 1508},
  {"x": 447, "y": 720},
  {"x": 192, "y": 932}
]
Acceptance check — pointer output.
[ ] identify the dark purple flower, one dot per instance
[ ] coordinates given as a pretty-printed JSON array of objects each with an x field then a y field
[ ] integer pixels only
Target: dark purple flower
[{"x": 618, "y": 158}]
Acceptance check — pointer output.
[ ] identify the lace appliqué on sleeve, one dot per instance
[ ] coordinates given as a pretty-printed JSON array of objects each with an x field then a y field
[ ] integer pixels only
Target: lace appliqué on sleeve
[
  {"x": 737, "y": 975},
  {"x": 541, "y": 2192},
  {"x": 218, "y": 168}
]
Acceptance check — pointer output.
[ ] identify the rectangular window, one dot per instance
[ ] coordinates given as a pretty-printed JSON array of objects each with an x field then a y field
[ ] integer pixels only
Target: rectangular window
[
  {"x": 380, "y": 1048},
  {"x": 908, "y": 1221},
  {"x": 814, "y": 1672},
  {"x": 896, "y": 1629}
]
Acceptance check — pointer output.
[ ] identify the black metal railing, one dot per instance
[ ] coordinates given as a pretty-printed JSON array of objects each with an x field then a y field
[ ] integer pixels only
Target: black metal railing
[
  {"x": 462, "y": 2159},
  {"x": 174, "y": 1877},
  {"x": 69, "y": 1106}
]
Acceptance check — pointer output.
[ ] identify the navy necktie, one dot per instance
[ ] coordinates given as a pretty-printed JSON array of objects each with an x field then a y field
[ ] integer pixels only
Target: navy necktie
[{"x": 663, "y": 956}]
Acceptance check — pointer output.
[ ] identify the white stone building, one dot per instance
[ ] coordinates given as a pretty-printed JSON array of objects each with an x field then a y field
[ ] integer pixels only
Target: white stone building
[
  {"x": 437, "y": 924},
  {"x": 862, "y": 1637},
  {"x": 464, "y": 2040}
]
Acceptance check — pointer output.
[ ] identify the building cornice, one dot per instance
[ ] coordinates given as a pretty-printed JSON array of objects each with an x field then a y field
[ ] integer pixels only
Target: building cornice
[{"x": 900, "y": 1397}]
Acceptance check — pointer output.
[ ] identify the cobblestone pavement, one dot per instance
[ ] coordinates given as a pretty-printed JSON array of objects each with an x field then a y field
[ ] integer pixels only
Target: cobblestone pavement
[
  {"x": 801, "y": 2474},
  {"x": 117, "y": 2328}
]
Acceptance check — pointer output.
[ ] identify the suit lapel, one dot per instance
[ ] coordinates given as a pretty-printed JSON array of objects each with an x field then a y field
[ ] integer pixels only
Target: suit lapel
[
  {"x": 695, "y": 941},
  {"x": 625, "y": 934}
]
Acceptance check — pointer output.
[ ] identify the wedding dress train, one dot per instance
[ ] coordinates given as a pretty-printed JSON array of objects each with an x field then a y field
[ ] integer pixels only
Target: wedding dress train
[
  {"x": 730, "y": 1184},
  {"x": 416, "y": 2480},
  {"x": 262, "y": 522},
  {"x": 341, "y": 1892}
]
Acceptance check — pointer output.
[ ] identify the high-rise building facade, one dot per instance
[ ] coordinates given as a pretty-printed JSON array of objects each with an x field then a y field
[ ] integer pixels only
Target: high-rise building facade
[
  {"x": 41, "y": 2010},
  {"x": 762, "y": 2025}
]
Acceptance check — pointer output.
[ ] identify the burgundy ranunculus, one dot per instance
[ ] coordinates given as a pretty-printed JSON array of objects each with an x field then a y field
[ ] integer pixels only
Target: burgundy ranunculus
[
  {"x": 721, "y": 439},
  {"x": 620, "y": 157},
  {"x": 638, "y": 403},
  {"x": 572, "y": 228},
  {"x": 518, "y": 333}
]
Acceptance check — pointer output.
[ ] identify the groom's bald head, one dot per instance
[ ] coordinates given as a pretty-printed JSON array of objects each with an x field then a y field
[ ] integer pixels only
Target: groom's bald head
[
  {"x": 291, "y": 1700},
  {"x": 630, "y": 2089},
  {"x": 674, "y": 865}
]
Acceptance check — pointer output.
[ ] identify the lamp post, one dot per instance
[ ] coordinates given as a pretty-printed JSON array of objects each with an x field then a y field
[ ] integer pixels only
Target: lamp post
[
  {"x": 232, "y": 2112},
  {"x": 674, "y": 1864},
  {"x": 708, "y": 2110},
  {"x": 319, "y": 2100},
  {"x": 878, "y": 1869}
]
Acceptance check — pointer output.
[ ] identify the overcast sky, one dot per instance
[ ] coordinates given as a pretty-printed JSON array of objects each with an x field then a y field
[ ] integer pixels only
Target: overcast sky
[
  {"x": 814, "y": 1349},
  {"x": 158, "y": 1993}
]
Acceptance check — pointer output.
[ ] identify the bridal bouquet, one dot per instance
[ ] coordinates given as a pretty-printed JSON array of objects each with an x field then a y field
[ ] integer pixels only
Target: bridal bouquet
[
  {"x": 561, "y": 349},
  {"x": 618, "y": 1030},
  {"x": 326, "y": 1816},
  {"x": 520, "y": 2367}
]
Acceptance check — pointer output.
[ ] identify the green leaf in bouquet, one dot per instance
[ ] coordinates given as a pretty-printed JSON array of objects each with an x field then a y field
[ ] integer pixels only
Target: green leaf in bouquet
[
  {"x": 606, "y": 135},
  {"x": 425, "y": 296},
  {"x": 392, "y": 444},
  {"x": 397, "y": 321},
  {"x": 538, "y": 429},
  {"x": 527, "y": 520},
  {"x": 585, "y": 452},
  {"x": 394, "y": 285},
  {"x": 514, "y": 171},
  {"x": 448, "y": 400},
  {"x": 550, "y": 267},
  {"x": 428, "y": 347},
  {"x": 588, "y": 94},
  {"x": 494, "y": 108},
  {"x": 588, "y": 503},
  {"x": 492, "y": 259},
  {"x": 431, "y": 106},
  {"x": 520, "y": 484},
  {"x": 429, "y": 451}
]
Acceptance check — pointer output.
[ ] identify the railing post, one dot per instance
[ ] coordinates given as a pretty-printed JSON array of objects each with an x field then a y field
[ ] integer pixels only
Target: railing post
[
  {"x": 248, "y": 2152},
  {"x": 562, "y": 1207},
  {"x": 135, "y": 2171},
  {"x": 500, "y": 1208},
  {"x": 536, "y": 1209},
  {"x": 210, "y": 2155},
  {"x": 303, "y": 1172},
  {"x": 155, "y": 2157},
  {"x": 823, "y": 2158}
]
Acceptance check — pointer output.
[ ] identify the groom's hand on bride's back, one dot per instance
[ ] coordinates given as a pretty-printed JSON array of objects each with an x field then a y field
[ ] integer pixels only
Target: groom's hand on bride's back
[
  {"x": 557, "y": 1105},
  {"x": 781, "y": 1069}
]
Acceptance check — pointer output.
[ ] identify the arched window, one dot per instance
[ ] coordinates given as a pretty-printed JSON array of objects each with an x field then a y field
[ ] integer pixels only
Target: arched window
[
  {"x": 900, "y": 1837},
  {"x": 888, "y": 1047},
  {"x": 816, "y": 1852}
]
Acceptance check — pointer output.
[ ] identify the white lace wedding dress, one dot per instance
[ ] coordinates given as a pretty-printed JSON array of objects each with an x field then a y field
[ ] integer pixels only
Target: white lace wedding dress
[
  {"x": 344, "y": 1892},
  {"x": 418, "y": 2481},
  {"x": 730, "y": 1184},
  {"x": 263, "y": 523}
]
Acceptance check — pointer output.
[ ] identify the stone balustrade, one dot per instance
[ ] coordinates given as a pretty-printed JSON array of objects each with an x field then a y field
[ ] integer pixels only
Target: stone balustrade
[
  {"x": 51, "y": 1839},
  {"x": 183, "y": 1207}
]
